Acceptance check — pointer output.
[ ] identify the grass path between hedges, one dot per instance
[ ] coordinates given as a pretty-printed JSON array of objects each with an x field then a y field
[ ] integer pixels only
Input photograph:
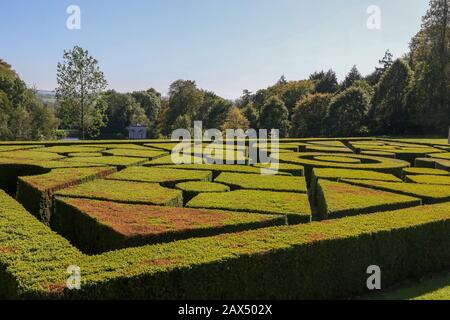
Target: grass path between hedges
[{"x": 436, "y": 287}]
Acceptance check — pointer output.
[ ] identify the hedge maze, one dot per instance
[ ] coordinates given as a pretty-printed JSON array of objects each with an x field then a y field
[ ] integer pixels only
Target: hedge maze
[{"x": 141, "y": 227}]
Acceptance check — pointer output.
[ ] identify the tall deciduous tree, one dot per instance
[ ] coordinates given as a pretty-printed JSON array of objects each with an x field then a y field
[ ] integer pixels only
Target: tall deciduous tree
[
  {"x": 235, "y": 120},
  {"x": 351, "y": 78},
  {"x": 347, "y": 113},
  {"x": 430, "y": 61},
  {"x": 308, "y": 115},
  {"x": 390, "y": 112},
  {"x": 80, "y": 83},
  {"x": 274, "y": 115},
  {"x": 326, "y": 82}
]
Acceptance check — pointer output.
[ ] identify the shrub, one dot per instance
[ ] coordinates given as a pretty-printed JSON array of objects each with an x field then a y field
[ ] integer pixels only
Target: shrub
[
  {"x": 219, "y": 168},
  {"x": 336, "y": 200},
  {"x": 161, "y": 175},
  {"x": 337, "y": 159},
  {"x": 35, "y": 192},
  {"x": 15, "y": 148},
  {"x": 293, "y": 205},
  {"x": 98, "y": 226},
  {"x": 427, "y": 192},
  {"x": 261, "y": 182},
  {"x": 293, "y": 169},
  {"x": 126, "y": 192}
]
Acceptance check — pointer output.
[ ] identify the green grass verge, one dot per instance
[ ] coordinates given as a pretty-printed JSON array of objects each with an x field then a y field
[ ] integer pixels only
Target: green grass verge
[
  {"x": 261, "y": 182},
  {"x": 97, "y": 226},
  {"x": 293, "y": 205},
  {"x": 337, "y": 200},
  {"x": 126, "y": 192}
]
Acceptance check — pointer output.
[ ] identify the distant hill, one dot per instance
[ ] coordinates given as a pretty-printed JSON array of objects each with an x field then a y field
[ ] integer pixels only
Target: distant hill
[{"x": 47, "y": 96}]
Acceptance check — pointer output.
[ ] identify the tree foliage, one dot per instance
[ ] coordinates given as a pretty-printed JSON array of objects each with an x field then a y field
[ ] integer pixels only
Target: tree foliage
[
  {"x": 309, "y": 114},
  {"x": 274, "y": 115},
  {"x": 80, "y": 83}
]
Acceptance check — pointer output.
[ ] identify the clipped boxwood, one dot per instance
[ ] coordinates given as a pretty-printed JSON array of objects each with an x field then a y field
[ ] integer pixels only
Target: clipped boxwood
[
  {"x": 85, "y": 154},
  {"x": 193, "y": 188},
  {"x": 424, "y": 171},
  {"x": 98, "y": 226},
  {"x": 256, "y": 264},
  {"x": 293, "y": 205},
  {"x": 429, "y": 193},
  {"x": 126, "y": 192},
  {"x": 339, "y": 174},
  {"x": 167, "y": 177},
  {"x": 337, "y": 159},
  {"x": 22, "y": 147},
  {"x": 30, "y": 154},
  {"x": 261, "y": 182},
  {"x": 428, "y": 179},
  {"x": 337, "y": 200},
  {"x": 294, "y": 169},
  {"x": 65, "y": 150},
  {"x": 120, "y": 162},
  {"x": 35, "y": 192},
  {"x": 136, "y": 153}
]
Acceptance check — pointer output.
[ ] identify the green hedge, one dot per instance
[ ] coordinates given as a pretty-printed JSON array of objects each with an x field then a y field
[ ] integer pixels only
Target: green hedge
[
  {"x": 136, "y": 153},
  {"x": 35, "y": 192},
  {"x": 99, "y": 226},
  {"x": 31, "y": 155},
  {"x": 193, "y": 188},
  {"x": 293, "y": 205},
  {"x": 379, "y": 164},
  {"x": 85, "y": 154},
  {"x": 120, "y": 162},
  {"x": 294, "y": 169},
  {"x": 429, "y": 193},
  {"x": 261, "y": 182},
  {"x": 424, "y": 171},
  {"x": 337, "y": 200},
  {"x": 426, "y": 162},
  {"x": 126, "y": 192},
  {"x": 71, "y": 149},
  {"x": 337, "y": 159},
  {"x": 14, "y": 148},
  {"x": 428, "y": 179},
  {"x": 309, "y": 261},
  {"x": 339, "y": 174},
  {"x": 168, "y": 177}
]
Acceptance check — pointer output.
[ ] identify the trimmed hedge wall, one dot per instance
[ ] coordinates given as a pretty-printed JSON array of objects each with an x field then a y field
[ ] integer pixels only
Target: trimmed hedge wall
[
  {"x": 98, "y": 226},
  {"x": 193, "y": 188},
  {"x": 429, "y": 193},
  {"x": 35, "y": 193},
  {"x": 259, "y": 264},
  {"x": 293, "y": 205},
  {"x": 120, "y": 162},
  {"x": 168, "y": 177},
  {"x": 428, "y": 179},
  {"x": 261, "y": 182},
  {"x": 337, "y": 200},
  {"x": 136, "y": 153},
  {"x": 126, "y": 192}
]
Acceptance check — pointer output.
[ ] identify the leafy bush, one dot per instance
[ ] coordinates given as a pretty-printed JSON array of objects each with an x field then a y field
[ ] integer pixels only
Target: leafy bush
[
  {"x": 138, "y": 153},
  {"x": 120, "y": 162}
]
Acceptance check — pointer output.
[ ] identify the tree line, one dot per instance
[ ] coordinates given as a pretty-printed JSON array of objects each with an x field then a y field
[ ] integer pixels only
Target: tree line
[{"x": 408, "y": 95}]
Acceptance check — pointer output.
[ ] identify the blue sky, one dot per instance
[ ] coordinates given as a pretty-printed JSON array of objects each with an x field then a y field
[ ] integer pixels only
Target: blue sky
[{"x": 225, "y": 45}]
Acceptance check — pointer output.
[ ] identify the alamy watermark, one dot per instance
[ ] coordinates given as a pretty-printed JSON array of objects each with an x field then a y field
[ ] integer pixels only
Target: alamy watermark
[
  {"x": 73, "y": 21},
  {"x": 263, "y": 147},
  {"x": 374, "y": 20},
  {"x": 374, "y": 280},
  {"x": 73, "y": 282}
]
